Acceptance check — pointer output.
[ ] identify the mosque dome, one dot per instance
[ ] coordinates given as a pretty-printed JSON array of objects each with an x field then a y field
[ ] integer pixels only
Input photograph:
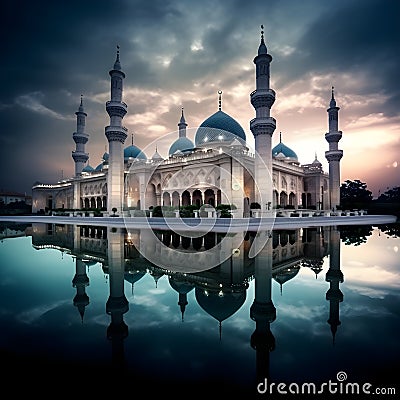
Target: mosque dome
[
  {"x": 283, "y": 150},
  {"x": 88, "y": 169},
  {"x": 316, "y": 162},
  {"x": 157, "y": 156},
  {"x": 133, "y": 151},
  {"x": 286, "y": 275},
  {"x": 180, "y": 287},
  {"x": 99, "y": 167},
  {"x": 133, "y": 277},
  {"x": 220, "y": 307},
  {"x": 105, "y": 156},
  {"x": 219, "y": 127},
  {"x": 182, "y": 144}
]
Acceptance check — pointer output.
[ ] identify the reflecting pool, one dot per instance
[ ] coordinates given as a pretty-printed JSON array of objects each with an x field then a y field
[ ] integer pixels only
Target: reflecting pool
[{"x": 103, "y": 308}]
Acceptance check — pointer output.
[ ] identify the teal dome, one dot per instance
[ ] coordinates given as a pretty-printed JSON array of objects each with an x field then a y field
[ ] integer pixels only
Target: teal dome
[
  {"x": 220, "y": 307},
  {"x": 99, "y": 167},
  {"x": 88, "y": 168},
  {"x": 181, "y": 144},
  {"x": 134, "y": 277},
  {"x": 286, "y": 151},
  {"x": 219, "y": 127},
  {"x": 133, "y": 151}
]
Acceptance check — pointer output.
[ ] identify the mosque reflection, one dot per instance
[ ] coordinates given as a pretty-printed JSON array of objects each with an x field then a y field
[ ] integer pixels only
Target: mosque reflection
[{"x": 220, "y": 290}]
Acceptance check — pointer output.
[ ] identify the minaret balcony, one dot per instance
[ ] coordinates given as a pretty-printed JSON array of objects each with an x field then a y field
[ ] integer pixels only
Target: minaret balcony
[
  {"x": 116, "y": 133},
  {"x": 263, "y": 126},
  {"x": 80, "y": 137},
  {"x": 331, "y": 137},
  {"x": 263, "y": 311},
  {"x": 334, "y": 295},
  {"x": 116, "y": 108},
  {"x": 334, "y": 155},
  {"x": 117, "y": 304},
  {"x": 334, "y": 275},
  {"x": 79, "y": 156},
  {"x": 262, "y": 98}
]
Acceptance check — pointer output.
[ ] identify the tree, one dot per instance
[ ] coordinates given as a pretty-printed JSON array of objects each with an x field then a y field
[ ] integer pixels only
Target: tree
[
  {"x": 354, "y": 194},
  {"x": 390, "y": 196},
  {"x": 355, "y": 234}
]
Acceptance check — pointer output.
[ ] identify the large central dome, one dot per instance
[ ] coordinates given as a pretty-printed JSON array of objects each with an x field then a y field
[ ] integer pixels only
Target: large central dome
[{"x": 219, "y": 127}]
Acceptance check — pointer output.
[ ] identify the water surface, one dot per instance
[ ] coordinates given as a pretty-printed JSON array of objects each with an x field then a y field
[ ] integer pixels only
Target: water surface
[{"x": 85, "y": 305}]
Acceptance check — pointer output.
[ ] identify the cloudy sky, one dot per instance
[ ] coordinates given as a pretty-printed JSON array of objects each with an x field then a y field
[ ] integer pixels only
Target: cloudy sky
[{"x": 179, "y": 54}]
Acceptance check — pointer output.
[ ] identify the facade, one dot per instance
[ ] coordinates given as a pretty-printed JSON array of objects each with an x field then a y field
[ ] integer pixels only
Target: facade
[{"x": 217, "y": 168}]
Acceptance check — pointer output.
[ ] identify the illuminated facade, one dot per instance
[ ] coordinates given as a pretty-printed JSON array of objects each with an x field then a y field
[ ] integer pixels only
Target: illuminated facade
[{"x": 217, "y": 168}]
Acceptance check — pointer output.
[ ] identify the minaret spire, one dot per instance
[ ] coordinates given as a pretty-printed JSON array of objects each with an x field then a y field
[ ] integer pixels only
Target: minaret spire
[
  {"x": 219, "y": 100},
  {"x": 333, "y": 101},
  {"x": 117, "y": 64},
  {"x": 182, "y": 126},
  {"x": 80, "y": 138}
]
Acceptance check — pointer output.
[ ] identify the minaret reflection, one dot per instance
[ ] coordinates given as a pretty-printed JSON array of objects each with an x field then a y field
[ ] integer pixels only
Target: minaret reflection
[
  {"x": 263, "y": 311},
  {"x": 80, "y": 281},
  {"x": 334, "y": 276},
  {"x": 117, "y": 304}
]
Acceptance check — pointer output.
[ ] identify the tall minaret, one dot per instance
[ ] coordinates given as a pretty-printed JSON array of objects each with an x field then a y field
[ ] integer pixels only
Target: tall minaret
[
  {"x": 263, "y": 127},
  {"x": 182, "y": 126},
  {"x": 262, "y": 310},
  {"x": 80, "y": 138},
  {"x": 116, "y": 135},
  {"x": 117, "y": 304},
  {"x": 333, "y": 155},
  {"x": 334, "y": 276}
]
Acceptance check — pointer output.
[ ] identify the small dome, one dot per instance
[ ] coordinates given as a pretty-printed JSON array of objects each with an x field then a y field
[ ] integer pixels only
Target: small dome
[
  {"x": 134, "y": 276},
  {"x": 219, "y": 127},
  {"x": 182, "y": 144},
  {"x": 133, "y": 151},
  {"x": 181, "y": 287},
  {"x": 88, "y": 169},
  {"x": 286, "y": 274},
  {"x": 220, "y": 307},
  {"x": 286, "y": 151},
  {"x": 99, "y": 167},
  {"x": 157, "y": 156},
  {"x": 105, "y": 156},
  {"x": 316, "y": 162}
]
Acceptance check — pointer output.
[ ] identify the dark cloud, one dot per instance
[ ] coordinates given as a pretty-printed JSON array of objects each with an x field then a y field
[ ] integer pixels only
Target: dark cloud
[
  {"x": 55, "y": 51},
  {"x": 352, "y": 38}
]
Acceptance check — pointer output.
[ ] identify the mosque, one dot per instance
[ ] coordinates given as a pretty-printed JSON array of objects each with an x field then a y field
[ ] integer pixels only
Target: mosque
[{"x": 217, "y": 168}]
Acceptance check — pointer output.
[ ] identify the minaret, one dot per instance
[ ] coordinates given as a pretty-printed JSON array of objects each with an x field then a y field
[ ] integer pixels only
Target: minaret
[
  {"x": 182, "y": 126},
  {"x": 80, "y": 138},
  {"x": 117, "y": 304},
  {"x": 80, "y": 281},
  {"x": 333, "y": 155},
  {"x": 263, "y": 127},
  {"x": 263, "y": 311},
  {"x": 116, "y": 135},
  {"x": 334, "y": 276}
]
